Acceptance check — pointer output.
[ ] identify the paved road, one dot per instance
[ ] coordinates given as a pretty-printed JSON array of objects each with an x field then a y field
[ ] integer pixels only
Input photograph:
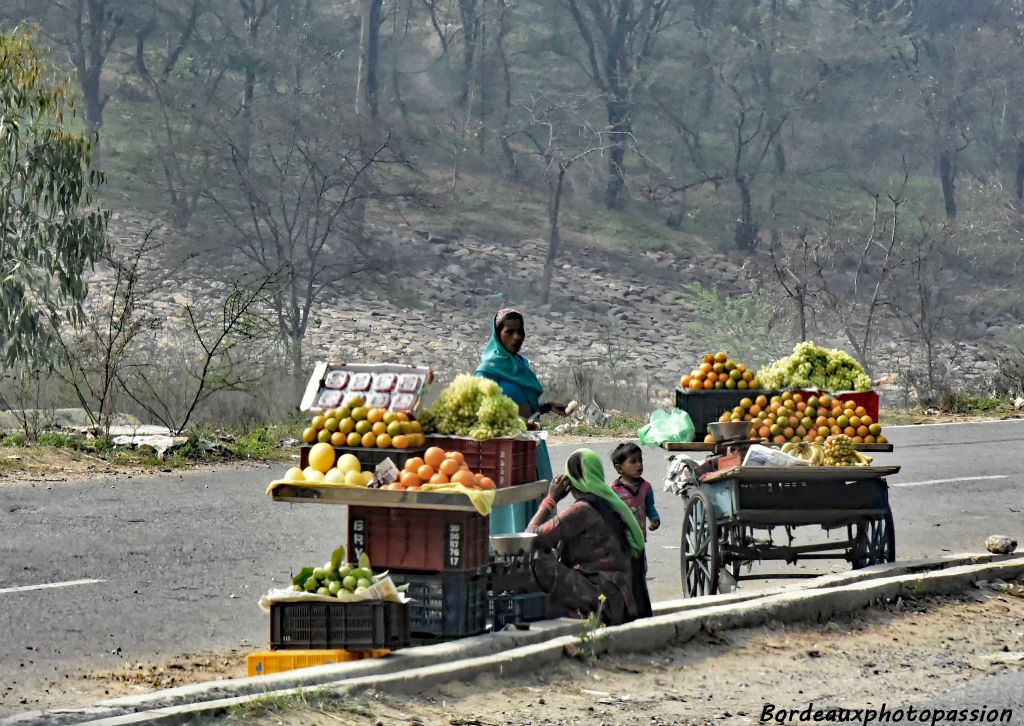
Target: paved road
[{"x": 183, "y": 558}]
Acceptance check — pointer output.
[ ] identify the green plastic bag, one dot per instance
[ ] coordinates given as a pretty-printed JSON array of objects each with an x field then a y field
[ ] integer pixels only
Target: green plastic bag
[{"x": 674, "y": 425}]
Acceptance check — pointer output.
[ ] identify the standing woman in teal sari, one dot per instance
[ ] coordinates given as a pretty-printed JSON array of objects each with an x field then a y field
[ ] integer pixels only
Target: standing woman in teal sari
[{"x": 502, "y": 362}]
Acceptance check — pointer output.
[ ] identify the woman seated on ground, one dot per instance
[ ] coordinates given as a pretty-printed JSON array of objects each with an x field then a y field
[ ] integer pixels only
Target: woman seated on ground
[{"x": 600, "y": 547}]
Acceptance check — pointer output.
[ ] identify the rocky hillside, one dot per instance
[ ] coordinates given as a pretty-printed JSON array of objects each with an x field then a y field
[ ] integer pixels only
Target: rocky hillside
[{"x": 612, "y": 313}]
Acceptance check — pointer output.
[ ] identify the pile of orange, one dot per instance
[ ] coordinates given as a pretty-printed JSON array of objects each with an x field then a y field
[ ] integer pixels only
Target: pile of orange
[
  {"x": 797, "y": 417},
  {"x": 718, "y": 371},
  {"x": 438, "y": 466},
  {"x": 357, "y": 425}
]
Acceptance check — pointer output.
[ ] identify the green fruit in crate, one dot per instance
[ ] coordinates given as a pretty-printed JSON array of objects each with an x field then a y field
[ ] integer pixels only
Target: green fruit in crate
[
  {"x": 294, "y": 588},
  {"x": 359, "y": 590},
  {"x": 361, "y": 573},
  {"x": 311, "y": 585},
  {"x": 363, "y": 427},
  {"x": 349, "y": 583},
  {"x": 322, "y": 573},
  {"x": 323, "y": 591},
  {"x": 343, "y": 413},
  {"x": 362, "y": 583},
  {"x": 334, "y": 586},
  {"x": 359, "y": 413},
  {"x": 324, "y": 436},
  {"x": 343, "y": 592},
  {"x": 396, "y": 428},
  {"x": 344, "y": 571},
  {"x": 331, "y": 424}
]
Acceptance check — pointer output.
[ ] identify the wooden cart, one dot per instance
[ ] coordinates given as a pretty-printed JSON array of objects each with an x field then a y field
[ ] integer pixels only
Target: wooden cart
[{"x": 729, "y": 512}]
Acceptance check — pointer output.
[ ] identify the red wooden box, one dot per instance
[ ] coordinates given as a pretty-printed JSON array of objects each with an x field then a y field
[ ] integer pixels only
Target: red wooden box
[
  {"x": 418, "y": 539},
  {"x": 867, "y": 399}
]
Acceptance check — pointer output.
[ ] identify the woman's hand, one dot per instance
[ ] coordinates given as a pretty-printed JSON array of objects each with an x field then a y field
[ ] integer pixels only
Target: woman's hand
[{"x": 559, "y": 488}]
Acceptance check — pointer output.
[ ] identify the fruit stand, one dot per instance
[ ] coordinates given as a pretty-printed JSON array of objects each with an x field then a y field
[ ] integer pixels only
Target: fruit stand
[
  {"x": 784, "y": 456},
  {"x": 419, "y": 505}
]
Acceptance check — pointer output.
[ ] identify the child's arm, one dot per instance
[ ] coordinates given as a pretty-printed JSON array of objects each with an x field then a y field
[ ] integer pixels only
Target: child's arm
[{"x": 652, "y": 513}]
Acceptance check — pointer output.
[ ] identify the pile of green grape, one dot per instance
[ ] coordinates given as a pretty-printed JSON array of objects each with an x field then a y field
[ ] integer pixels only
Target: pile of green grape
[
  {"x": 812, "y": 366},
  {"x": 475, "y": 407}
]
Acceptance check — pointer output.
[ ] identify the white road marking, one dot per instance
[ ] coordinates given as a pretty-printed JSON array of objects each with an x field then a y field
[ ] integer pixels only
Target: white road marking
[
  {"x": 948, "y": 481},
  {"x": 69, "y": 583},
  {"x": 953, "y": 423}
]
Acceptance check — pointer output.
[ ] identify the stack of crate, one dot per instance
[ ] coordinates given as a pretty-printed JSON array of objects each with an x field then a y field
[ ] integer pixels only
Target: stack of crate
[{"x": 442, "y": 555}]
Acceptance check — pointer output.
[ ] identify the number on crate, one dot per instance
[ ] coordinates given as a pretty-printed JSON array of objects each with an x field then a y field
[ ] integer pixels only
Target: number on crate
[{"x": 454, "y": 544}]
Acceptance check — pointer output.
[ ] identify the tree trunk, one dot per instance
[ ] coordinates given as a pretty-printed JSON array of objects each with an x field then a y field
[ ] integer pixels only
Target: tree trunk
[
  {"x": 619, "y": 124},
  {"x": 369, "y": 58},
  {"x": 470, "y": 29},
  {"x": 1019, "y": 181},
  {"x": 947, "y": 175},
  {"x": 249, "y": 89},
  {"x": 555, "y": 187},
  {"x": 92, "y": 102},
  {"x": 745, "y": 233}
]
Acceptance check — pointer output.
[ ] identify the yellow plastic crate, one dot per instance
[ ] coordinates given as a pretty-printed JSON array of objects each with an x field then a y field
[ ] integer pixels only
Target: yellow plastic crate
[{"x": 264, "y": 662}]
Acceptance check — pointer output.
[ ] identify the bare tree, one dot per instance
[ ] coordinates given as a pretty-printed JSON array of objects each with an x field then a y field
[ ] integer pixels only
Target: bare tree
[
  {"x": 94, "y": 356},
  {"x": 619, "y": 39},
  {"x": 858, "y": 299},
  {"x": 89, "y": 31},
  {"x": 226, "y": 353},
  {"x": 558, "y": 129}
]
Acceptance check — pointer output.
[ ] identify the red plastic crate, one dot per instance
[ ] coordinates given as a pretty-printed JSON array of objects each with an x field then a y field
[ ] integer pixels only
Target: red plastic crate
[
  {"x": 867, "y": 399},
  {"x": 418, "y": 539},
  {"x": 505, "y": 460}
]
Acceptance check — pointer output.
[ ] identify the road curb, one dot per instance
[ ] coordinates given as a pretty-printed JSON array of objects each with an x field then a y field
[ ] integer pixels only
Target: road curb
[{"x": 674, "y": 623}]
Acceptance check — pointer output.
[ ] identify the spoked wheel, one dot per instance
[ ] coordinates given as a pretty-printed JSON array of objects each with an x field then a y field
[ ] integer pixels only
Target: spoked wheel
[
  {"x": 699, "y": 561},
  {"x": 875, "y": 542}
]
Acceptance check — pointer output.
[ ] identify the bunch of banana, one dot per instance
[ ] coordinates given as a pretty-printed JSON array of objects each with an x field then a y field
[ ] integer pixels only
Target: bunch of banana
[
  {"x": 839, "y": 450},
  {"x": 806, "y": 451}
]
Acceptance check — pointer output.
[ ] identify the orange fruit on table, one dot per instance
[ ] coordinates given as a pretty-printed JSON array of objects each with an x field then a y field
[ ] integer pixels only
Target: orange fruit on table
[
  {"x": 379, "y": 428},
  {"x": 355, "y": 439},
  {"x": 439, "y": 478},
  {"x": 434, "y": 456},
  {"x": 448, "y": 467},
  {"x": 375, "y": 415},
  {"x": 383, "y": 441},
  {"x": 408, "y": 480},
  {"x": 721, "y": 357},
  {"x": 695, "y": 384},
  {"x": 400, "y": 442},
  {"x": 413, "y": 463},
  {"x": 339, "y": 439},
  {"x": 457, "y": 455},
  {"x": 369, "y": 440},
  {"x": 684, "y": 382},
  {"x": 709, "y": 384},
  {"x": 402, "y": 415},
  {"x": 425, "y": 472},
  {"x": 464, "y": 478},
  {"x": 414, "y": 427},
  {"x": 486, "y": 483}
]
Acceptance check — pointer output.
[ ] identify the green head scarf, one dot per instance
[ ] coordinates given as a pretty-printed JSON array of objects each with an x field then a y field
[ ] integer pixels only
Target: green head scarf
[
  {"x": 496, "y": 362},
  {"x": 593, "y": 483}
]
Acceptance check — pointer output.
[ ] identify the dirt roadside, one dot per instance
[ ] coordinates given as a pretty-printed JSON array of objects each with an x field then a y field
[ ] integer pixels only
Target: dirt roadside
[{"x": 898, "y": 654}]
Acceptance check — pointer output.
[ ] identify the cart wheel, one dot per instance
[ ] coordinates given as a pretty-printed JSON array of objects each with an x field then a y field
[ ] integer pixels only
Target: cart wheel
[
  {"x": 875, "y": 542},
  {"x": 699, "y": 560}
]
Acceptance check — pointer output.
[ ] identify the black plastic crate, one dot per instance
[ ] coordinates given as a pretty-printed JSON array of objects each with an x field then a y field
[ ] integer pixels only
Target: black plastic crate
[
  {"x": 345, "y": 625},
  {"x": 523, "y": 608},
  {"x": 368, "y": 457},
  {"x": 446, "y": 604},
  {"x": 706, "y": 406}
]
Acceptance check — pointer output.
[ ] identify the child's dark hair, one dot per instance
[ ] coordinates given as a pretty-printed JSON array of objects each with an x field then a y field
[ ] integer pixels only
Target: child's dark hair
[{"x": 624, "y": 452}]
